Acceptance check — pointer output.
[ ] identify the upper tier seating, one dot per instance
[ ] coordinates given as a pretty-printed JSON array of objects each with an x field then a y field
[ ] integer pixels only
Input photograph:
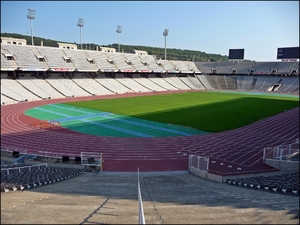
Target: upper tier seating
[
  {"x": 25, "y": 57},
  {"x": 137, "y": 62},
  {"x": 151, "y": 62},
  {"x": 80, "y": 60},
  {"x": 39, "y": 58},
  {"x": 56, "y": 58},
  {"x": 102, "y": 61},
  {"x": 182, "y": 67},
  {"x": 120, "y": 62},
  {"x": 6, "y": 62}
]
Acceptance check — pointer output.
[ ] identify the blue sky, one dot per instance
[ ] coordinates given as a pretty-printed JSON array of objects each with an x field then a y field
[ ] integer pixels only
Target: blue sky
[{"x": 260, "y": 27}]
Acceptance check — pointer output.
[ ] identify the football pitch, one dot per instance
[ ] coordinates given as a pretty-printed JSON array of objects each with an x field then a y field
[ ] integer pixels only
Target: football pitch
[{"x": 181, "y": 114}]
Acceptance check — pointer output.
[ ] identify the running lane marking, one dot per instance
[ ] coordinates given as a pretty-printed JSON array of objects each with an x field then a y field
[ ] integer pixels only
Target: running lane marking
[
  {"x": 107, "y": 115},
  {"x": 98, "y": 124}
]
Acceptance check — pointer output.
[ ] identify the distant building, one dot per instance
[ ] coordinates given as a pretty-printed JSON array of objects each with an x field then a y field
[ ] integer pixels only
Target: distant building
[
  {"x": 140, "y": 52},
  {"x": 13, "y": 41},
  {"x": 67, "y": 46},
  {"x": 107, "y": 49}
]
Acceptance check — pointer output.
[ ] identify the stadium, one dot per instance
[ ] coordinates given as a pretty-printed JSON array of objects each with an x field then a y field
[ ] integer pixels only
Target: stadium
[{"x": 42, "y": 127}]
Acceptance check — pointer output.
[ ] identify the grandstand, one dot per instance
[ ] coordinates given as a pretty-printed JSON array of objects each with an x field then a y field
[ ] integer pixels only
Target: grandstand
[{"x": 38, "y": 75}]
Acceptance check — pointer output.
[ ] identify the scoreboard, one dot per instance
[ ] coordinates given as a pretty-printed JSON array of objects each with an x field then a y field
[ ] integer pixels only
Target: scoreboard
[
  {"x": 236, "y": 53},
  {"x": 288, "y": 53}
]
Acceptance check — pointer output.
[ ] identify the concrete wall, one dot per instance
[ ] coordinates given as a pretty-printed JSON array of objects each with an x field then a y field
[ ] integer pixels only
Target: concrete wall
[
  {"x": 206, "y": 175},
  {"x": 282, "y": 165}
]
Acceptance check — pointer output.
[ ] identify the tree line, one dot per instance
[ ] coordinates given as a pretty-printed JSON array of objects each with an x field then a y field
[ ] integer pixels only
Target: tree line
[{"x": 172, "y": 54}]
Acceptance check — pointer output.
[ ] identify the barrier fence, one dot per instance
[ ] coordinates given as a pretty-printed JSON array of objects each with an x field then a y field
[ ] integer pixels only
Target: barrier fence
[
  {"x": 140, "y": 202},
  {"x": 281, "y": 152},
  {"x": 22, "y": 167},
  {"x": 84, "y": 158},
  {"x": 198, "y": 162}
]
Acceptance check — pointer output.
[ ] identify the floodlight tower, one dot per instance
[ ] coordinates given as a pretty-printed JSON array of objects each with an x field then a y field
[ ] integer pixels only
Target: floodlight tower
[
  {"x": 80, "y": 24},
  {"x": 165, "y": 33},
  {"x": 31, "y": 16},
  {"x": 119, "y": 30}
]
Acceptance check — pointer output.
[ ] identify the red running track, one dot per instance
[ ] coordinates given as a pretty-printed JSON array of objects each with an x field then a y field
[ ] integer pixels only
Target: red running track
[{"x": 237, "y": 151}]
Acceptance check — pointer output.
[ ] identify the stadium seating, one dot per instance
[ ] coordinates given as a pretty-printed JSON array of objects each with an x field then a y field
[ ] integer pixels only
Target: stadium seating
[
  {"x": 55, "y": 62},
  {"x": 287, "y": 183},
  {"x": 28, "y": 83},
  {"x": 6, "y": 62},
  {"x": 191, "y": 82},
  {"x": 245, "y": 67},
  {"x": 192, "y": 67},
  {"x": 5, "y": 100},
  {"x": 136, "y": 61},
  {"x": 101, "y": 61},
  {"x": 182, "y": 66},
  {"x": 81, "y": 60},
  {"x": 161, "y": 82},
  {"x": 287, "y": 67},
  {"x": 91, "y": 85},
  {"x": 121, "y": 62},
  {"x": 264, "y": 67},
  {"x": 115, "y": 86},
  {"x": 152, "y": 63},
  {"x": 131, "y": 83},
  {"x": 25, "y": 57},
  {"x": 56, "y": 58},
  {"x": 225, "y": 67},
  {"x": 176, "y": 82},
  {"x": 20, "y": 176},
  {"x": 147, "y": 83},
  {"x": 16, "y": 91}
]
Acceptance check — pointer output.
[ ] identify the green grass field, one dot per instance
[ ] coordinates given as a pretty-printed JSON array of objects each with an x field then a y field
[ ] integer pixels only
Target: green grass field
[{"x": 207, "y": 111}]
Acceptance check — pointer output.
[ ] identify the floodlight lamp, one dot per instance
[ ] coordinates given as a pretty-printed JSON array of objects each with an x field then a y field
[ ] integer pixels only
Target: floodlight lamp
[
  {"x": 31, "y": 14},
  {"x": 166, "y": 32},
  {"x": 80, "y": 22},
  {"x": 119, "y": 29}
]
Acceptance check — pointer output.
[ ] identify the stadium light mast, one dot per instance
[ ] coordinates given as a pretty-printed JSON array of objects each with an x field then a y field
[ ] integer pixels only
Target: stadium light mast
[
  {"x": 31, "y": 16},
  {"x": 119, "y": 30},
  {"x": 80, "y": 24},
  {"x": 165, "y": 33}
]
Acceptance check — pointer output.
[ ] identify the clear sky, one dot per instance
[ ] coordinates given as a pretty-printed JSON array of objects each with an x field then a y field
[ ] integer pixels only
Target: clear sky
[{"x": 259, "y": 27}]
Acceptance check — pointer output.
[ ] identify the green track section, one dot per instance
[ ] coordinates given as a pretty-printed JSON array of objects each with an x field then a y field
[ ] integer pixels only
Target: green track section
[
  {"x": 95, "y": 122},
  {"x": 211, "y": 111}
]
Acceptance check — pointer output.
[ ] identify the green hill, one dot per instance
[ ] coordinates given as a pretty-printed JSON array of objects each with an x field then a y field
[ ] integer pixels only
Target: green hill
[{"x": 173, "y": 54}]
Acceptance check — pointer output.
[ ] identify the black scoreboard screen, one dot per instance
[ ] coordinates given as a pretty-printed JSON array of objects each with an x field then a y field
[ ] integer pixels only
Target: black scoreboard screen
[
  {"x": 288, "y": 53},
  {"x": 236, "y": 53}
]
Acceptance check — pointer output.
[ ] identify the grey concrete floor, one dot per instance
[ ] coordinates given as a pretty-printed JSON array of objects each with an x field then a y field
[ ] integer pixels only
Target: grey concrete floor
[{"x": 168, "y": 198}]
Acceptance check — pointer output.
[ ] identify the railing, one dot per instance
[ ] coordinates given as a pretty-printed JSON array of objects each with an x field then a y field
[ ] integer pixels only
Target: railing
[
  {"x": 198, "y": 162},
  {"x": 280, "y": 152},
  {"x": 92, "y": 159},
  {"x": 10, "y": 149},
  {"x": 23, "y": 167},
  {"x": 141, "y": 210},
  {"x": 281, "y": 157},
  {"x": 54, "y": 154},
  {"x": 38, "y": 153}
]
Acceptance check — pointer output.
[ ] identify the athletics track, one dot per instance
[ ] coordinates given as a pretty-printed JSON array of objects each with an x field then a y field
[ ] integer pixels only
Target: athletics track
[{"x": 236, "y": 151}]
